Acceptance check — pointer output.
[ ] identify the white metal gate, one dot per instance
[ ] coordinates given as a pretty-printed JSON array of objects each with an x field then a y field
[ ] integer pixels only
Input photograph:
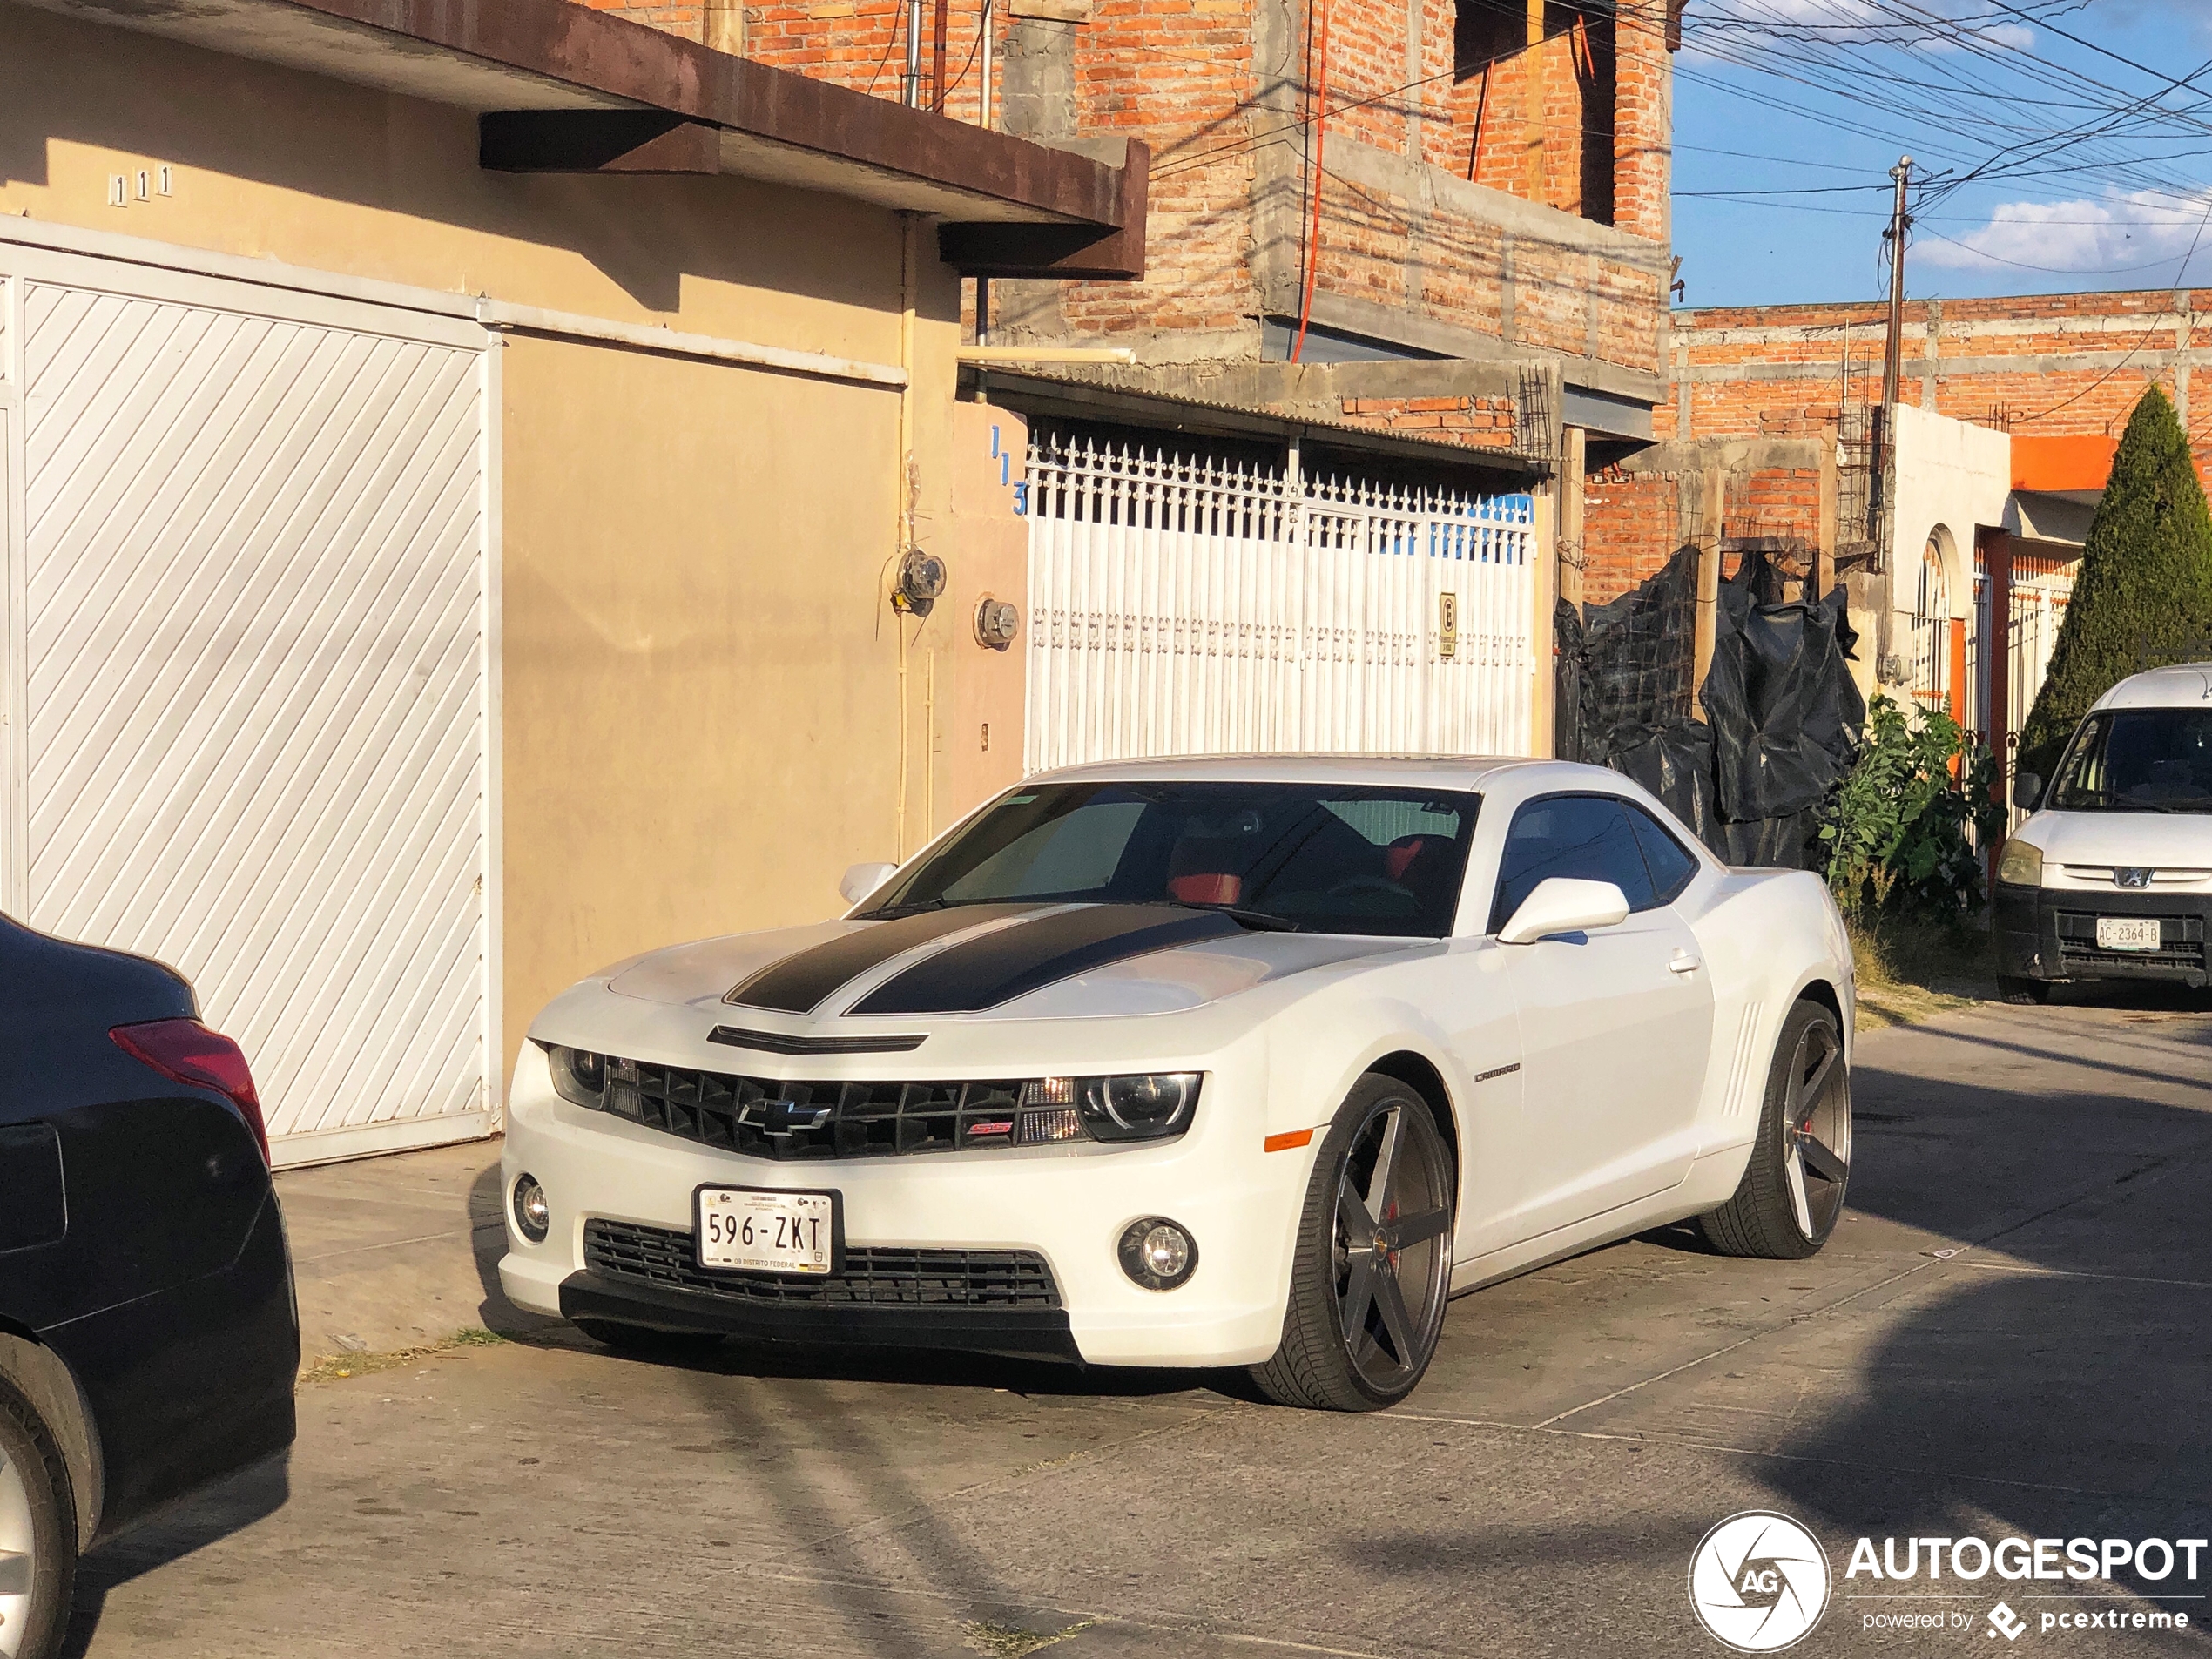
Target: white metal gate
[
  {"x": 247, "y": 636},
  {"x": 1189, "y": 603},
  {"x": 1928, "y": 658},
  {"x": 2042, "y": 588}
]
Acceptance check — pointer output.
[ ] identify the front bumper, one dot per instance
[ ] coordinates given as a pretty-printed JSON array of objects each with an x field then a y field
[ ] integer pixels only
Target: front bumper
[
  {"x": 2050, "y": 934},
  {"x": 1067, "y": 1206}
]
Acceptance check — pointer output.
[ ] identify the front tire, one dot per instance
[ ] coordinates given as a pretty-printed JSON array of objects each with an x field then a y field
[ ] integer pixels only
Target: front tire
[
  {"x": 1792, "y": 1191},
  {"x": 37, "y": 1533},
  {"x": 2025, "y": 992},
  {"x": 1373, "y": 1267}
]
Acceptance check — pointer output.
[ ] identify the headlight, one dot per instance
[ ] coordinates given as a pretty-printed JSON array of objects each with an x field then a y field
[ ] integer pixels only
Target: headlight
[
  {"x": 2020, "y": 865},
  {"x": 1141, "y": 1108},
  {"x": 579, "y": 1076}
]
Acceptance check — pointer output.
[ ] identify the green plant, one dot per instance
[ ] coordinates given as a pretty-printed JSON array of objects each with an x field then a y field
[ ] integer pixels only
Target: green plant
[
  {"x": 1897, "y": 832},
  {"x": 2143, "y": 597}
]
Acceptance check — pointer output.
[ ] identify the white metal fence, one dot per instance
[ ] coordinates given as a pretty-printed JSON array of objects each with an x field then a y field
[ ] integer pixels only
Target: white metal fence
[{"x": 1195, "y": 604}]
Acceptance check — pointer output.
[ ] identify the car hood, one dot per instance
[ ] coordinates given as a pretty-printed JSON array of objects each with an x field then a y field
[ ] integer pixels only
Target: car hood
[
  {"x": 1024, "y": 961},
  {"x": 2166, "y": 840}
]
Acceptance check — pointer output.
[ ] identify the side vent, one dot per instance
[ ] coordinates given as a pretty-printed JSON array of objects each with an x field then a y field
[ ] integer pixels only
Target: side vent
[{"x": 1740, "y": 1083}]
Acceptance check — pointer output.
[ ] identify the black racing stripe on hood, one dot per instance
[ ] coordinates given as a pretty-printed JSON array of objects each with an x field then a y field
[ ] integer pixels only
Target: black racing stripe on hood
[
  {"x": 800, "y": 982},
  {"x": 1012, "y": 961}
]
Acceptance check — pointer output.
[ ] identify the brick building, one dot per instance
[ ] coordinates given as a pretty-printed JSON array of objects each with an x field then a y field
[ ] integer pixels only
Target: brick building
[
  {"x": 1407, "y": 268},
  {"x": 1748, "y": 429},
  {"x": 2011, "y": 409},
  {"x": 1493, "y": 185}
]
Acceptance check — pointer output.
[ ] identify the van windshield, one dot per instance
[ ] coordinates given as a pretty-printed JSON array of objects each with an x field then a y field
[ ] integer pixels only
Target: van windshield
[
  {"x": 2138, "y": 760},
  {"x": 1312, "y": 858}
]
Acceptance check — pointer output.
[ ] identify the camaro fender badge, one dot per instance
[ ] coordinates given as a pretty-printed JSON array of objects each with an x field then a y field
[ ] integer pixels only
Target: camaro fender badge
[
  {"x": 780, "y": 1118},
  {"x": 2131, "y": 876}
]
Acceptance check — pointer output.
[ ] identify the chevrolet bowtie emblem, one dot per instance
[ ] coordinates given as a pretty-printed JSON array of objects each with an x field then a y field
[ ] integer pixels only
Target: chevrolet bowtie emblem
[
  {"x": 2129, "y": 876},
  {"x": 782, "y": 1117}
]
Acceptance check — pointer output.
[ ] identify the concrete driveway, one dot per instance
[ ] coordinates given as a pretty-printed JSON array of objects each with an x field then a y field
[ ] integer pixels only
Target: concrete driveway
[{"x": 2009, "y": 1334}]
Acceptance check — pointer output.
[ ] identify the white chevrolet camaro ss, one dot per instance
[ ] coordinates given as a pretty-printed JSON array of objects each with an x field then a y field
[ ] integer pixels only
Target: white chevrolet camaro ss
[{"x": 1242, "y": 1062}]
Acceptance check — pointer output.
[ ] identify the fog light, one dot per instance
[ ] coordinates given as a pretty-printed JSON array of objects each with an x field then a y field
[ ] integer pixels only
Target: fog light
[
  {"x": 1157, "y": 1253},
  {"x": 533, "y": 1216}
]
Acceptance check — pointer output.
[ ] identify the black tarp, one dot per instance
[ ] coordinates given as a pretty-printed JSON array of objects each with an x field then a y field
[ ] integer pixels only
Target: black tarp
[{"x": 1781, "y": 714}]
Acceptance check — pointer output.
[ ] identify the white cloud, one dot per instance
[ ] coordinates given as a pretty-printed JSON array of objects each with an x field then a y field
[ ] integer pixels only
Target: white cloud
[{"x": 2120, "y": 232}]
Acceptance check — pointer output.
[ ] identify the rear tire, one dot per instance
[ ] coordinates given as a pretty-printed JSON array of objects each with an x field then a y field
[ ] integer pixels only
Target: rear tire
[
  {"x": 1374, "y": 1266},
  {"x": 2023, "y": 991},
  {"x": 37, "y": 1521},
  {"x": 1792, "y": 1191},
  {"x": 644, "y": 1339}
]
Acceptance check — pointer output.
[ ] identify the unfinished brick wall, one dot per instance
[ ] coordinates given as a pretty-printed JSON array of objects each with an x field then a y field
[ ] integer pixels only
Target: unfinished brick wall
[
  {"x": 1630, "y": 529},
  {"x": 2039, "y": 365},
  {"x": 1477, "y": 423},
  {"x": 1775, "y": 501},
  {"x": 1485, "y": 136},
  {"x": 1221, "y": 90}
]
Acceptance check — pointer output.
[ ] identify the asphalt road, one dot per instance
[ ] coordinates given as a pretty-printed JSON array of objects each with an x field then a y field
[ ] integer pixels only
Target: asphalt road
[{"x": 2007, "y": 1335}]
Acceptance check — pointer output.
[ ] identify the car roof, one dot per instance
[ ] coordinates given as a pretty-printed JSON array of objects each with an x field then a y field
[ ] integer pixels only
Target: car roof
[
  {"x": 2180, "y": 686},
  {"x": 1400, "y": 772}
]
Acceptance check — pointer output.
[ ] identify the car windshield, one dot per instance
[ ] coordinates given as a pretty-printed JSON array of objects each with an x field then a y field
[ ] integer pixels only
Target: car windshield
[
  {"x": 2138, "y": 760},
  {"x": 1317, "y": 859}
]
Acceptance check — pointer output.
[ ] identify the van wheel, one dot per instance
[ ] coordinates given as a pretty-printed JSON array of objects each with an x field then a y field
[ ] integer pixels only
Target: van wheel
[
  {"x": 1792, "y": 1193},
  {"x": 2024, "y": 991},
  {"x": 37, "y": 1533}
]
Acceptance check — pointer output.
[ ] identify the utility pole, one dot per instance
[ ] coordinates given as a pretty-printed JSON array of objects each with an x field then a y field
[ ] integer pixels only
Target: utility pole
[
  {"x": 1893, "y": 352},
  {"x": 1893, "y": 367}
]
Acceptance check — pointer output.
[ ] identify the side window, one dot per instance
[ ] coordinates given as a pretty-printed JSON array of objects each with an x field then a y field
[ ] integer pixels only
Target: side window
[
  {"x": 1670, "y": 863},
  {"x": 1586, "y": 836}
]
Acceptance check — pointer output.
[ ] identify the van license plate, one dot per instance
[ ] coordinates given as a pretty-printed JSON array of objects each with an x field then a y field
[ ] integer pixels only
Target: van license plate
[
  {"x": 759, "y": 1230},
  {"x": 2127, "y": 933}
]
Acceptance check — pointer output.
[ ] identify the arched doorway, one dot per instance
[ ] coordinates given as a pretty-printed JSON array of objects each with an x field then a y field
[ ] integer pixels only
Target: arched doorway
[{"x": 1927, "y": 655}]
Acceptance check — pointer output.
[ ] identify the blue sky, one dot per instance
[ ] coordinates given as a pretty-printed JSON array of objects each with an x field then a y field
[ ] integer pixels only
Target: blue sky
[{"x": 1789, "y": 115}]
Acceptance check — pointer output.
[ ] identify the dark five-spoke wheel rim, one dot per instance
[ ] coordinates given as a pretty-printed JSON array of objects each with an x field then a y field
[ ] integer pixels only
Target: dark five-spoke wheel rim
[
  {"x": 1393, "y": 1254},
  {"x": 1815, "y": 1128},
  {"x": 17, "y": 1559}
]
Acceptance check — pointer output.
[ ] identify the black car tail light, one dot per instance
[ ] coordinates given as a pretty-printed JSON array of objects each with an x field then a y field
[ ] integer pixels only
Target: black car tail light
[{"x": 185, "y": 1051}]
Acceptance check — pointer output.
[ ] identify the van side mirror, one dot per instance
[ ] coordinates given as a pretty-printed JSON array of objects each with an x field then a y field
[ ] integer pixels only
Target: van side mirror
[
  {"x": 1563, "y": 905},
  {"x": 864, "y": 879},
  {"x": 2028, "y": 791}
]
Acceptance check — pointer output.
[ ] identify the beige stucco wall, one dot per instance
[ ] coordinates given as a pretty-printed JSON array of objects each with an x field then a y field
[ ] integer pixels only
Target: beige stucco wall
[
  {"x": 699, "y": 668},
  {"x": 701, "y": 718},
  {"x": 317, "y": 173},
  {"x": 978, "y": 730}
]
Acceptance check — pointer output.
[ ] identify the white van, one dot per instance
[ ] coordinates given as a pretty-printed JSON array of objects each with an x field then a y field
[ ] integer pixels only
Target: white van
[{"x": 2111, "y": 878}]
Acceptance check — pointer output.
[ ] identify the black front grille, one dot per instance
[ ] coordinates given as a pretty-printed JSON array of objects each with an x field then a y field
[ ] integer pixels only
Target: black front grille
[
  {"x": 873, "y": 1275},
  {"x": 768, "y": 1118},
  {"x": 2181, "y": 944}
]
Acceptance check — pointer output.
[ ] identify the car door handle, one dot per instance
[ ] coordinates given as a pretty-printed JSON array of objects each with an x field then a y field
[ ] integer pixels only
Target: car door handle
[{"x": 1683, "y": 962}]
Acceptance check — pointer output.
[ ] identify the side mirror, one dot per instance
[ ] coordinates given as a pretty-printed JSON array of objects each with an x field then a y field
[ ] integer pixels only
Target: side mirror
[
  {"x": 864, "y": 879},
  {"x": 2028, "y": 791},
  {"x": 1562, "y": 904}
]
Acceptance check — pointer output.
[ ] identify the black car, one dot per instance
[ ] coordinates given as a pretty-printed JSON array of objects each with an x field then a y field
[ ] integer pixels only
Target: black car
[{"x": 149, "y": 1341}]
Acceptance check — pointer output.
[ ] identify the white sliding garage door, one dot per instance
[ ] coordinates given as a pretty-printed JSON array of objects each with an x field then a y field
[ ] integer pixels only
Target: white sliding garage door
[{"x": 248, "y": 676}]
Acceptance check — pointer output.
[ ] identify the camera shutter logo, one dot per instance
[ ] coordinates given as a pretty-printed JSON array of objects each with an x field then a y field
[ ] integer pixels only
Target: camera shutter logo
[{"x": 1758, "y": 1582}]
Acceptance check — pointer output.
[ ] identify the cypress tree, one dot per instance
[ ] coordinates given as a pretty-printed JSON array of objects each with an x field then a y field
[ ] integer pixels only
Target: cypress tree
[{"x": 2143, "y": 595}]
